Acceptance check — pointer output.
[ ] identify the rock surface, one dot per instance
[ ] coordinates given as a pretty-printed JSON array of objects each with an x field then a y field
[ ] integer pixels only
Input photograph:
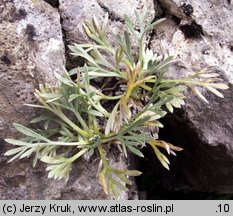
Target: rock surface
[
  {"x": 202, "y": 38},
  {"x": 31, "y": 50},
  {"x": 199, "y": 39}
]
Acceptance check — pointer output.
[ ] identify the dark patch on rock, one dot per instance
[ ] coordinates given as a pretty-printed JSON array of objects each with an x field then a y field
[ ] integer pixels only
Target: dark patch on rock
[
  {"x": 205, "y": 50},
  {"x": 152, "y": 35},
  {"x": 3, "y": 147},
  {"x": 187, "y": 9},
  {"x": 15, "y": 181},
  {"x": 30, "y": 31},
  {"x": 176, "y": 20},
  {"x": 192, "y": 31},
  {"x": 54, "y": 3},
  {"x": 12, "y": 14},
  {"x": 5, "y": 59},
  {"x": 20, "y": 14},
  {"x": 231, "y": 48}
]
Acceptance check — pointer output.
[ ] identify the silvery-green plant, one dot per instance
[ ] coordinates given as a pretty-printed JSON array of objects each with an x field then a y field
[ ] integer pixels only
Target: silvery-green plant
[{"x": 80, "y": 118}]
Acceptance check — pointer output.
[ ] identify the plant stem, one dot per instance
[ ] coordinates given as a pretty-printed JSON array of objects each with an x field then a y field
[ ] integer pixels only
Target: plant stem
[
  {"x": 79, "y": 154},
  {"x": 102, "y": 156},
  {"x": 69, "y": 122}
]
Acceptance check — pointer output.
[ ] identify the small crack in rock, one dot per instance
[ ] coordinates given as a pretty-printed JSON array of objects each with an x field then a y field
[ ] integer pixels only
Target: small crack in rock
[
  {"x": 112, "y": 15},
  {"x": 56, "y": 4},
  {"x": 68, "y": 61},
  {"x": 53, "y": 3},
  {"x": 165, "y": 11},
  {"x": 152, "y": 35}
]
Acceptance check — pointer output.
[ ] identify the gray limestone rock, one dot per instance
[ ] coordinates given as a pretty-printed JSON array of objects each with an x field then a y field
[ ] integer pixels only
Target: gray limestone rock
[
  {"x": 31, "y": 51},
  {"x": 198, "y": 40}
]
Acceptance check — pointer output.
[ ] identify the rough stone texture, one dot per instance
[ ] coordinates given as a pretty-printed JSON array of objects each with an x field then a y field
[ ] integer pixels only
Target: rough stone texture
[
  {"x": 31, "y": 50},
  {"x": 204, "y": 37},
  {"x": 201, "y": 39}
]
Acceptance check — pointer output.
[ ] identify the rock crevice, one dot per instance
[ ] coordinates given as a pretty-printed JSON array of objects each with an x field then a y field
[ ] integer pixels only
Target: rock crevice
[{"x": 112, "y": 15}]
